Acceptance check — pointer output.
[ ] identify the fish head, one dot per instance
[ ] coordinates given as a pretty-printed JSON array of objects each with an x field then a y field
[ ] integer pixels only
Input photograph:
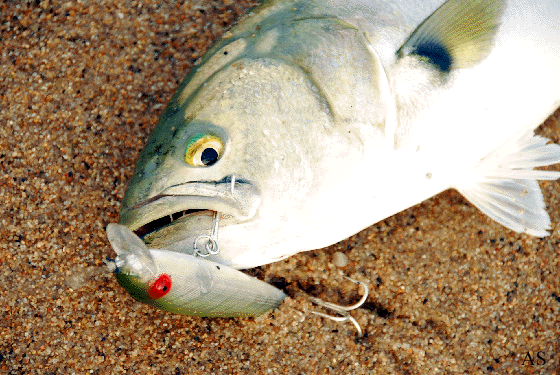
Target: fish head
[
  {"x": 262, "y": 132},
  {"x": 244, "y": 155}
]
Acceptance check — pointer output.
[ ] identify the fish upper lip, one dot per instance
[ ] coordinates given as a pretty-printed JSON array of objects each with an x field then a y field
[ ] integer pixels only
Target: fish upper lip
[{"x": 240, "y": 200}]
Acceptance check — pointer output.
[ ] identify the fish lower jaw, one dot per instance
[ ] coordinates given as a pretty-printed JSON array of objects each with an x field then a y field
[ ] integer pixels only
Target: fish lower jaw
[
  {"x": 184, "y": 225},
  {"x": 165, "y": 220}
]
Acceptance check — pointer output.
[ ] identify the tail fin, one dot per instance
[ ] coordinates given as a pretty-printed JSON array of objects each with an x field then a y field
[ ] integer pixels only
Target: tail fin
[{"x": 504, "y": 185}]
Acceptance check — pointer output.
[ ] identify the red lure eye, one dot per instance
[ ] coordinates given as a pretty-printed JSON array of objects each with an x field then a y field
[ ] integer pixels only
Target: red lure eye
[{"x": 160, "y": 287}]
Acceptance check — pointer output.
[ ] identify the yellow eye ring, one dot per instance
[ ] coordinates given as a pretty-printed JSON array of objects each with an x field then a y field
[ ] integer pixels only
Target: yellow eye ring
[{"x": 203, "y": 150}]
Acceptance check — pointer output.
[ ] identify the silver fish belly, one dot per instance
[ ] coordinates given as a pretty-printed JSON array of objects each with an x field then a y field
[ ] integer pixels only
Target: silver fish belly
[{"x": 310, "y": 120}]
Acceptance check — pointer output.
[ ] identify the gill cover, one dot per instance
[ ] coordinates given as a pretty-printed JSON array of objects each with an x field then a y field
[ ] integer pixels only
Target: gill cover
[{"x": 185, "y": 284}]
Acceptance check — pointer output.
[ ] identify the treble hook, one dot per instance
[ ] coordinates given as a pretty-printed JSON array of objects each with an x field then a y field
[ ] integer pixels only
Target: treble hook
[
  {"x": 211, "y": 246},
  {"x": 343, "y": 310}
]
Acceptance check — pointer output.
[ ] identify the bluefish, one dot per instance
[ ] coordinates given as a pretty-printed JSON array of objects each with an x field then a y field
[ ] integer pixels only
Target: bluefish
[{"x": 311, "y": 120}]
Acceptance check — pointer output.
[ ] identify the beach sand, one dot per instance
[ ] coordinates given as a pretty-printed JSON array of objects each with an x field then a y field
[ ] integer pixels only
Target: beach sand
[{"x": 82, "y": 84}]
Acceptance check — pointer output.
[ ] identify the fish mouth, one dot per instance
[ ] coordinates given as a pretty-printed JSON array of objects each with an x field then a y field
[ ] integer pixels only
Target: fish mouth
[
  {"x": 231, "y": 197},
  {"x": 157, "y": 224}
]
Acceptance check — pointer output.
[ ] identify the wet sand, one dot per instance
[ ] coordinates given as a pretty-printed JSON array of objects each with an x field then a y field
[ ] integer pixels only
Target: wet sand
[{"x": 82, "y": 84}]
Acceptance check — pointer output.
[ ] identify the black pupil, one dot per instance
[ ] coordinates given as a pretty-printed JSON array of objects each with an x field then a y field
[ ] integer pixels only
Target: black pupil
[{"x": 209, "y": 156}]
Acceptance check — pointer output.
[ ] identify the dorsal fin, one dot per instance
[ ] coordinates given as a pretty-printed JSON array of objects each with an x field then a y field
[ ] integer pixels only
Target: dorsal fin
[{"x": 459, "y": 34}]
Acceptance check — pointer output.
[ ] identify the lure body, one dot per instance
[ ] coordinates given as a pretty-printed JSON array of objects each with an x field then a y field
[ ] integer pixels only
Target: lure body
[
  {"x": 311, "y": 120},
  {"x": 186, "y": 284}
]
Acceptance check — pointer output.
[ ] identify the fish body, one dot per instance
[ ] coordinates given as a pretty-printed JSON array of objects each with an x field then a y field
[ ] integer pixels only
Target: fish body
[{"x": 311, "y": 120}]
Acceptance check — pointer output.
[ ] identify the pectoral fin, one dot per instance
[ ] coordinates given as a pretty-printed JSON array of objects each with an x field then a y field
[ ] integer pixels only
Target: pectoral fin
[
  {"x": 459, "y": 34},
  {"x": 504, "y": 185}
]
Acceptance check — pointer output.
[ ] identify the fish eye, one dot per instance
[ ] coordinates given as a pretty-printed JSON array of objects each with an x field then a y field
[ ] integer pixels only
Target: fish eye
[
  {"x": 203, "y": 150},
  {"x": 160, "y": 287}
]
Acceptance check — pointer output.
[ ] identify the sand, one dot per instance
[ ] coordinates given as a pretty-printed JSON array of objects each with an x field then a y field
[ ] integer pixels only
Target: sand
[{"x": 82, "y": 84}]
